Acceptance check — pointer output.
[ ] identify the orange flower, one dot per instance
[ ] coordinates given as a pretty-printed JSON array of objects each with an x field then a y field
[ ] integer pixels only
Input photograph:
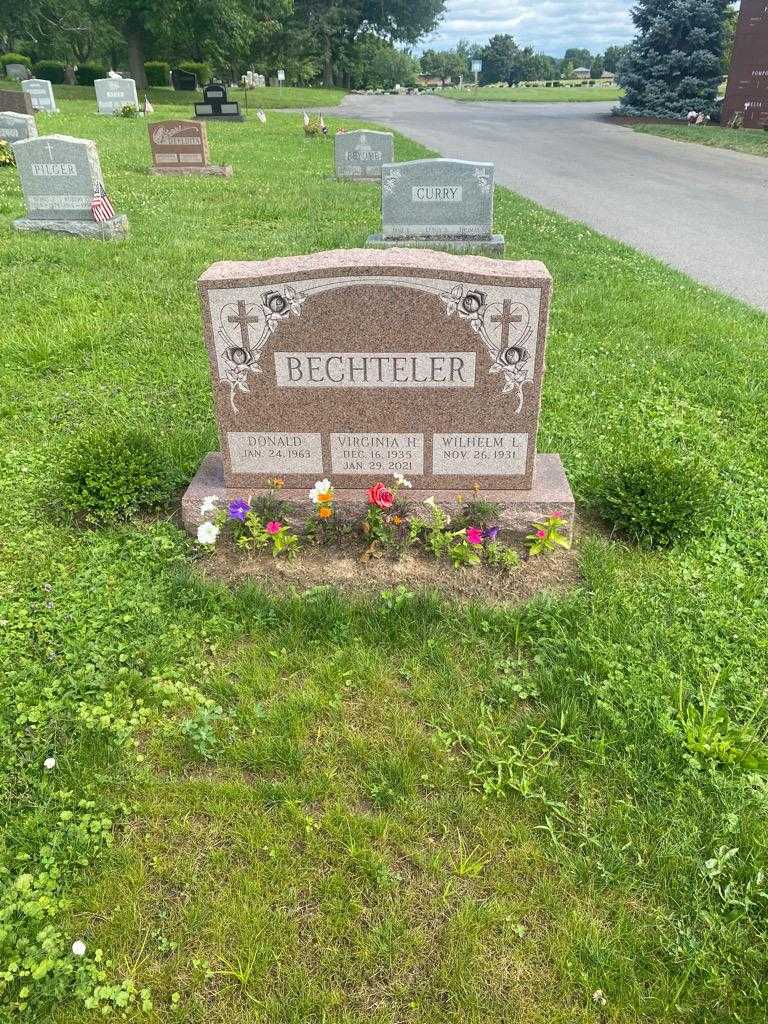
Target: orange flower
[
  {"x": 397, "y": 520},
  {"x": 324, "y": 512},
  {"x": 276, "y": 482}
]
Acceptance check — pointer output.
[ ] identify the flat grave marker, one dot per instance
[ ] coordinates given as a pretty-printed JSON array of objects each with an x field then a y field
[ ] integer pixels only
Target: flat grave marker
[{"x": 356, "y": 365}]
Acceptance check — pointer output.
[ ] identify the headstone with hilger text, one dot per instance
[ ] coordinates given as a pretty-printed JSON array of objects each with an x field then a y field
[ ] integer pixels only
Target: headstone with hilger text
[
  {"x": 444, "y": 204},
  {"x": 64, "y": 189},
  {"x": 360, "y": 155},
  {"x": 40, "y": 91},
  {"x": 181, "y": 147},
  {"x": 357, "y": 365}
]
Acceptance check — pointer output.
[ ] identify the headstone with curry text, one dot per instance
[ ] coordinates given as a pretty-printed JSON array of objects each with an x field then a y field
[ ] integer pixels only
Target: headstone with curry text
[
  {"x": 357, "y": 365},
  {"x": 16, "y": 102},
  {"x": 40, "y": 91},
  {"x": 181, "y": 147},
  {"x": 747, "y": 92},
  {"x": 112, "y": 94},
  {"x": 216, "y": 104},
  {"x": 60, "y": 178},
  {"x": 360, "y": 155},
  {"x": 15, "y": 127},
  {"x": 446, "y": 204}
]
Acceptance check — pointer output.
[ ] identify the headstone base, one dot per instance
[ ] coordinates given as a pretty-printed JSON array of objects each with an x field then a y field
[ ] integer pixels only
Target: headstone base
[
  {"x": 219, "y": 117},
  {"x": 549, "y": 494},
  {"x": 113, "y": 230},
  {"x": 485, "y": 246},
  {"x": 209, "y": 170}
]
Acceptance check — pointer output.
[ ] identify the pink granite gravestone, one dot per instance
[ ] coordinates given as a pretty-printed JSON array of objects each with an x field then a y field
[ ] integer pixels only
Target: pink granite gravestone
[
  {"x": 181, "y": 147},
  {"x": 360, "y": 364}
]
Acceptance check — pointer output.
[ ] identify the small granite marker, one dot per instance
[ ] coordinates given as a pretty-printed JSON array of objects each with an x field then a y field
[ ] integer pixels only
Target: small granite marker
[
  {"x": 216, "y": 105},
  {"x": 16, "y": 102},
  {"x": 181, "y": 147},
  {"x": 356, "y": 365},
  {"x": 60, "y": 177},
  {"x": 440, "y": 204},
  {"x": 15, "y": 127},
  {"x": 360, "y": 155},
  {"x": 18, "y": 72},
  {"x": 112, "y": 94},
  {"x": 40, "y": 91}
]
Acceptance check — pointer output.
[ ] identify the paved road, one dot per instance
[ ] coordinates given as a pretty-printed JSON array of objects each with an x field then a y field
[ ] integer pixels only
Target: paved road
[{"x": 703, "y": 211}]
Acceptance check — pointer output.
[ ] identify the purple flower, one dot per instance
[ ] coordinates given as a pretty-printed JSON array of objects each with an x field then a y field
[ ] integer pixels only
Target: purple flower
[
  {"x": 492, "y": 532},
  {"x": 239, "y": 509}
]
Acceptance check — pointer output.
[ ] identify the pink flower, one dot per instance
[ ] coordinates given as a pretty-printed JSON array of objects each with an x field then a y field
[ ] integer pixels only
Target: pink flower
[
  {"x": 381, "y": 496},
  {"x": 474, "y": 535},
  {"x": 273, "y": 527},
  {"x": 541, "y": 533}
]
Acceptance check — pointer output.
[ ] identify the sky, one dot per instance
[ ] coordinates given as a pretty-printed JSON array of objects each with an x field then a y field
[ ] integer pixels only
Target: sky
[{"x": 549, "y": 26}]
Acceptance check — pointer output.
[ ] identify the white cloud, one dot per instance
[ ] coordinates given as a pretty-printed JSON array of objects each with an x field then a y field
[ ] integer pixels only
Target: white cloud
[{"x": 550, "y": 26}]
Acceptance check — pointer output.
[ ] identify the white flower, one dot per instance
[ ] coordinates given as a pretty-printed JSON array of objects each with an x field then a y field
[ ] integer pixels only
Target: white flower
[
  {"x": 78, "y": 948},
  {"x": 599, "y": 997},
  {"x": 208, "y": 505},
  {"x": 401, "y": 481},
  {"x": 322, "y": 492},
  {"x": 207, "y": 533},
  {"x": 49, "y": 763},
  {"x": 430, "y": 502}
]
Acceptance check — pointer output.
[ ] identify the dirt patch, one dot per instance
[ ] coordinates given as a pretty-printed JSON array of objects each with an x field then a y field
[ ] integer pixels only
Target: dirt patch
[{"x": 345, "y": 569}]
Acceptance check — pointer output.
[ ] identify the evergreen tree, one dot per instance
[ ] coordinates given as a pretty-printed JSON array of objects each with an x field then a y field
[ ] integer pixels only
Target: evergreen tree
[{"x": 675, "y": 63}]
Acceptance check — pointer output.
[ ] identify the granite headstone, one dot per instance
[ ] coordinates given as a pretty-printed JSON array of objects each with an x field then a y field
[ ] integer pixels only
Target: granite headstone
[
  {"x": 18, "y": 72},
  {"x": 112, "y": 94},
  {"x": 747, "y": 91},
  {"x": 60, "y": 177},
  {"x": 216, "y": 105},
  {"x": 183, "y": 81},
  {"x": 15, "y": 127},
  {"x": 181, "y": 147},
  {"x": 446, "y": 204},
  {"x": 18, "y": 102},
  {"x": 360, "y": 155},
  {"x": 40, "y": 92},
  {"x": 356, "y": 365}
]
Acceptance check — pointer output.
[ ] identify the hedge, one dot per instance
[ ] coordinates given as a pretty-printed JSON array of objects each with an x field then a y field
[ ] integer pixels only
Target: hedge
[
  {"x": 87, "y": 74},
  {"x": 53, "y": 70},
  {"x": 14, "y": 58},
  {"x": 202, "y": 71},
  {"x": 158, "y": 72}
]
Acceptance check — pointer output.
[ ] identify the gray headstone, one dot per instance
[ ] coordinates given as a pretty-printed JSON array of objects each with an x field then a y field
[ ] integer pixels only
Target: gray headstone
[
  {"x": 112, "y": 94},
  {"x": 362, "y": 154},
  {"x": 59, "y": 177},
  {"x": 40, "y": 91},
  {"x": 15, "y": 127},
  {"x": 18, "y": 72},
  {"x": 441, "y": 199}
]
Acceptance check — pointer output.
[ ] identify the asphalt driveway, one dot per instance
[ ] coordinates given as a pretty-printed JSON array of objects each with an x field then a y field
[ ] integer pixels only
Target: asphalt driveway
[{"x": 701, "y": 210}]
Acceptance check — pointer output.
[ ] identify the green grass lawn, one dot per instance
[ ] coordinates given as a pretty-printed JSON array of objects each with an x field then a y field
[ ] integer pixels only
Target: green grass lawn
[
  {"x": 267, "y": 98},
  {"x": 537, "y": 94},
  {"x": 744, "y": 140},
  {"x": 318, "y": 810}
]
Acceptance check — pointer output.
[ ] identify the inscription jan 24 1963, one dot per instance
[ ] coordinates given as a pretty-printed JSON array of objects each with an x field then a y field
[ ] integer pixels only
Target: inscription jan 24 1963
[{"x": 364, "y": 363}]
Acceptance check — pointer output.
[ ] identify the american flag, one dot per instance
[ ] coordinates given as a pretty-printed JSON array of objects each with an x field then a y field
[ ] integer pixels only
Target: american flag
[
  {"x": 261, "y": 116},
  {"x": 148, "y": 108},
  {"x": 306, "y": 119},
  {"x": 101, "y": 208}
]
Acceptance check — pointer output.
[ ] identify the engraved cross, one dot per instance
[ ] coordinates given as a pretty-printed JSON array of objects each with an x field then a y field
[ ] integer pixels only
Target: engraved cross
[
  {"x": 243, "y": 320},
  {"x": 506, "y": 320}
]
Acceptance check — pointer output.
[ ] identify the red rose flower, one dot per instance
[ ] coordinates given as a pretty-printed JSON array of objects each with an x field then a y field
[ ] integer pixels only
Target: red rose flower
[{"x": 379, "y": 495}]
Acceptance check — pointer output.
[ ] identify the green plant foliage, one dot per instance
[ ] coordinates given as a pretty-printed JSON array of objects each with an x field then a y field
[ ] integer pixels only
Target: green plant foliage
[
  {"x": 158, "y": 72},
  {"x": 111, "y": 476},
  {"x": 659, "y": 498},
  {"x": 710, "y": 735},
  {"x": 7, "y": 156},
  {"x": 53, "y": 70},
  {"x": 201, "y": 70},
  {"x": 86, "y": 74}
]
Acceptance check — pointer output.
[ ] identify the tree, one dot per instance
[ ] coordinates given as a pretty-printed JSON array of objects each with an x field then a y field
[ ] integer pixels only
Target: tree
[
  {"x": 444, "y": 64},
  {"x": 731, "y": 20},
  {"x": 578, "y": 58},
  {"x": 613, "y": 57},
  {"x": 598, "y": 67},
  {"x": 499, "y": 58},
  {"x": 675, "y": 63}
]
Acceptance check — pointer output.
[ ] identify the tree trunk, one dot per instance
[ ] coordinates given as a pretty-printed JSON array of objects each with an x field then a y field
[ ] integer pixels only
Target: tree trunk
[
  {"x": 327, "y": 61},
  {"x": 134, "y": 37}
]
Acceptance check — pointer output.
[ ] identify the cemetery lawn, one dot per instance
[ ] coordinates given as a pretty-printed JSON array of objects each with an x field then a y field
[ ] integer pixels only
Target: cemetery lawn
[
  {"x": 267, "y": 98},
  {"x": 744, "y": 140},
  {"x": 394, "y": 810},
  {"x": 537, "y": 94}
]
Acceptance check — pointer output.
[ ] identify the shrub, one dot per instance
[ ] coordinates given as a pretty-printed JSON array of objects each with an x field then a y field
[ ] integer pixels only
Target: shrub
[
  {"x": 659, "y": 499},
  {"x": 113, "y": 475},
  {"x": 158, "y": 72},
  {"x": 14, "y": 58},
  {"x": 87, "y": 74},
  {"x": 53, "y": 70},
  {"x": 201, "y": 71}
]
